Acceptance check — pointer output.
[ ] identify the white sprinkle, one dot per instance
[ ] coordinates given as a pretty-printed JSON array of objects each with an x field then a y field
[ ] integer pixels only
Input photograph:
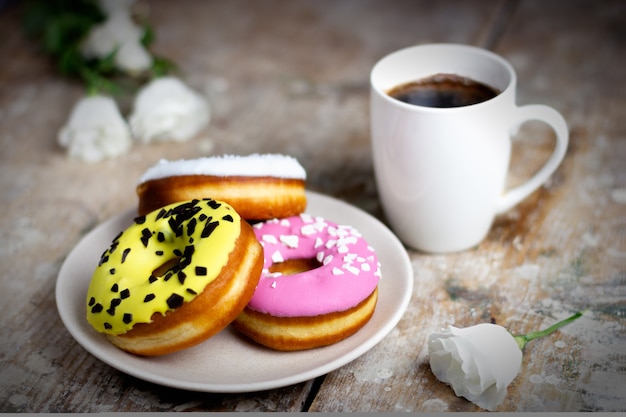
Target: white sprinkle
[
  {"x": 351, "y": 268},
  {"x": 306, "y": 218},
  {"x": 277, "y": 257},
  {"x": 330, "y": 243},
  {"x": 285, "y": 222},
  {"x": 319, "y": 256},
  {"x": 273, "y": 284},
  {"x": 350, "y": 240},
  {"x": 343, "y": 249},
  {"x": 337, "y": 271},
  {"x": 318, "y": 242},
  {"x": 327, "y": 259},
  {"x": 349, "y": 258},
  {"x": 308, "y": 229},
  {"x": 289, "y": 240},
  {"x": 319, "y": 226},
  {"x": 269, "y": 239},
  {"x": 365, "y": 267}
]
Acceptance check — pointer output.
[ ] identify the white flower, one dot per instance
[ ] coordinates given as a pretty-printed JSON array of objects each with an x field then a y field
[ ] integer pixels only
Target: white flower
[
  {"x": 479, "y": 362},
  {"x": 168, "y": 110},
  {"x": 121, "y": 33},
  {"x": 95, "y": 130}
]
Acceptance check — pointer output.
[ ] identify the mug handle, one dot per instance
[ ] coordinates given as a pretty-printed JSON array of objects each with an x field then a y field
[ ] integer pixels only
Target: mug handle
[{"x": 553, "y": 118}]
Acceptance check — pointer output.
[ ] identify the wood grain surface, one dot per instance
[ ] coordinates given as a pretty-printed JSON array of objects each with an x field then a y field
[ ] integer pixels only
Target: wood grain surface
[{"x": 292, "y": 77}]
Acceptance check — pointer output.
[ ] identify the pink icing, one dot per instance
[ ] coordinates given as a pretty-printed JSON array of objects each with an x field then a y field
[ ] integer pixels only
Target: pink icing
[{"x": 349, "y": 274}]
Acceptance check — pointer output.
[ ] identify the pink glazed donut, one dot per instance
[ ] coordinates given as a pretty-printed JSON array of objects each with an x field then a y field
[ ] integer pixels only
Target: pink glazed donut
[{"x": 319, "y": 284}]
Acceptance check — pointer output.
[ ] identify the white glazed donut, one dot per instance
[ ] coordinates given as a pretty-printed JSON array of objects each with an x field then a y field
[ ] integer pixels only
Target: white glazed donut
[{"x": 258, "y": 186}]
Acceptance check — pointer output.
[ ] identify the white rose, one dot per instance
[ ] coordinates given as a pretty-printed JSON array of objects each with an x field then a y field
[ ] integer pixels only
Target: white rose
[
  {"x": 167, "y": 110},
  {"x": 478, "y": 362},
  {"x": 95, "y": 130},
  {"x": 121, "y": 33}
]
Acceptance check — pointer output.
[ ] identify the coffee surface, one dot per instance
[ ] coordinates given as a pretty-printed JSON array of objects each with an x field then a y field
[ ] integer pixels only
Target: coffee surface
[{"x": 443, "y": 91}]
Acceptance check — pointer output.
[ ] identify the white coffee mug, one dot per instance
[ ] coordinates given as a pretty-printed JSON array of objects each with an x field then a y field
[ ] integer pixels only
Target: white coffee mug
[{"x": 441, "y": 172}]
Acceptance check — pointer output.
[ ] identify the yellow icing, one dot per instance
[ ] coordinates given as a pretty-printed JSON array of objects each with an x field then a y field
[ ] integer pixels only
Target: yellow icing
[{"x": 123, "y": 291}]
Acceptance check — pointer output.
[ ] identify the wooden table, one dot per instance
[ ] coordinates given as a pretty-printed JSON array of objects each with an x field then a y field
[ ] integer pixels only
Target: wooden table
[{"x": 292, "y": 77}]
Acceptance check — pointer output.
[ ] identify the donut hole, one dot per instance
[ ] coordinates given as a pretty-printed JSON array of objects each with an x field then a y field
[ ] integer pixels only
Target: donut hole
[
  {"x": 295, "y": 266},
  {"x": 162, "y": 270}
]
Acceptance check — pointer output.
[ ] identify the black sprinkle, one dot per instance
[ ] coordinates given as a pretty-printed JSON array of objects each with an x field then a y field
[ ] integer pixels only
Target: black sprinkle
[
  {"x": 103, "y": 259},
  {"x": 167, "y": 276},
  {"x": 191, "y": 226},
  {"x": 189, "y": 250},
  {"x": 92, "y": 301},
  {"x": 160, "y": 237},
  {"x": 152, "y": 279},
  {"x": 119, "y": 235},
  {"x": 161, "y": 214},
  {"x": 115, "y": 302},
  {"x": 200, "y": 270},
  {"x": 190, "y": 291},
  {"x": 97, "y": 308},
  {"x": 159, "y": 253},
  {"x": 213, "y": 204},
  {"x": 175, "y": 301},
  {"x": 125, "y": 294},
  {"x": 149, "y": 297},
  {"x": 177, "y": 252},
  {"x": 209, "y": 227},
  {"x": 190, "y": 240},
  {"x": 181, "y": 277},
  {"x": 202, "y": 217},
  {"x": 114, "y": 288},
  {"x": 111, "y": 311},
  {"x": 114, "y": 246},
  {"x": 125, "y": 254},
  {"x": 127, "y": 318},
  {"x": 175, "y": 226},
  {"x": 146, "y": 234},
  {"x": 140, "y": 219},
  {"x": 112, "y": 271},
  {"x": 107, "y": 326},
  {"x": 228, "y": 218}
]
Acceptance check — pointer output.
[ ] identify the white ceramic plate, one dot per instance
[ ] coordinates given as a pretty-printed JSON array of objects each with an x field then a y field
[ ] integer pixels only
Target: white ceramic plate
[{"x": 228, "y": 362}]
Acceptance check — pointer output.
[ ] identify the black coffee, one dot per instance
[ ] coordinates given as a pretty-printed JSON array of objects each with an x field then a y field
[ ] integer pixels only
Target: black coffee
[{"x": 443, "y": 90}]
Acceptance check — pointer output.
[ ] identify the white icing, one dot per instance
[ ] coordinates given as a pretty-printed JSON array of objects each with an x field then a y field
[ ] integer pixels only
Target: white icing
[{"x": 256, "y": 165}]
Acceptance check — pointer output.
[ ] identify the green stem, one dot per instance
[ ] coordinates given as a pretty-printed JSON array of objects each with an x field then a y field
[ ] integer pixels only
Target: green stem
[{"x": 525, "y": 338}]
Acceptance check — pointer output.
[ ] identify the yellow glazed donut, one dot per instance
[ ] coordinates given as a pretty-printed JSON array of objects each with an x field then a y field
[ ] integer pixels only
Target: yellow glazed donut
[{"x": 174, "y": 278}]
